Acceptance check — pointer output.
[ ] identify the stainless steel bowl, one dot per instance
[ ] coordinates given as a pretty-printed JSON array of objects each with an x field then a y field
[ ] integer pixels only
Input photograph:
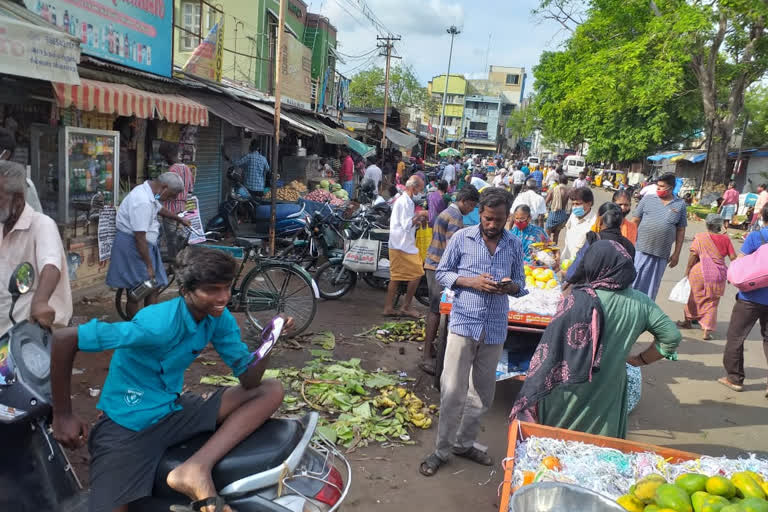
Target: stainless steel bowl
[{"x": 557, "y": 497}]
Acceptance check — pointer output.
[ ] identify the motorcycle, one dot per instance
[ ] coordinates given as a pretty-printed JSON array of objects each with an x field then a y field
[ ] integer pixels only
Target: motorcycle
[
  {"x": 290, "y": 218},
  {"x": 285, "y": 466}
]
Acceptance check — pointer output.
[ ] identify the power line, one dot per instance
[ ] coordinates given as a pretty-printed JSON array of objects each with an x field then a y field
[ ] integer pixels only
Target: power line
[
  {"x": 363, "y": 7},
  {"x": 358, "y": 56},
  {"x": 370, "y": 61}
]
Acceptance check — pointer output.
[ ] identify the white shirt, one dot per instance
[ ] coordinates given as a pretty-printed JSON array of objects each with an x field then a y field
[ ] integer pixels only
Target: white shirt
[
  {"x": 34, "y": 238},
  {"x": 534, "y": 201},
  {"x": 649, "y": 189},
  {"x": 402, "y": 232},
  {"x": 373, "y": 173},
  {"x": 580, "y": 183},
  {"x": 498, "y": 179},
  {"x": 576, "y": 230},
  {"x": 449, "y": 173},
  {"x": 138, "y": 212},
  {"x": 552, "y": 177},
  {"x": 518, "y": 177}
]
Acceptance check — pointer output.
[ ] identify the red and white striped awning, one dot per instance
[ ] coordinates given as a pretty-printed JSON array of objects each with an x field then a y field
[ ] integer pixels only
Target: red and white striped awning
[{"x": 123, "y": 100}]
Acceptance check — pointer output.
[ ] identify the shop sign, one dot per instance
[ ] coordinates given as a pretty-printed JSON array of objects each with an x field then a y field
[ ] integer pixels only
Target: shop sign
[
  {"x": 295, "y": 103},
  {"x": 133, "y": 33},
  {"x": 206, "y": 60},
  {"x": 295, "y": 76},
  {"x": 37, "y": 52}
]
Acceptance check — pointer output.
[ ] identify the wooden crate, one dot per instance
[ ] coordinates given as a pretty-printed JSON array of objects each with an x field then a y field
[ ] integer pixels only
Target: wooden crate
[{"x": 522, "y": 430}]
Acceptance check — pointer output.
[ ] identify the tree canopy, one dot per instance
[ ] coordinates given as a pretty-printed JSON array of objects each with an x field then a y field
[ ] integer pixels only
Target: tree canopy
[{"x": 367, "y": 88}]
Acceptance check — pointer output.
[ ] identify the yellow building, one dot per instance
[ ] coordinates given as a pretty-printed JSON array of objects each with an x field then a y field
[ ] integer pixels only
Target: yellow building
[{"x": 454, "y": 106}]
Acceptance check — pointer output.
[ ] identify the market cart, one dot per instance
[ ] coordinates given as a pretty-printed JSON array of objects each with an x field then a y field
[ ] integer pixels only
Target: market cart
[{"x": 518, "y": 349}]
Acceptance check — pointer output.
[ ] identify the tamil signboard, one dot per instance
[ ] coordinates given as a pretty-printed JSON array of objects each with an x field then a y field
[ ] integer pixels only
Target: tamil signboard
[
  {"x": 134, "y": 33},
  {"x": 37, "y": 52},
  {"x": 295, "y": 79}
]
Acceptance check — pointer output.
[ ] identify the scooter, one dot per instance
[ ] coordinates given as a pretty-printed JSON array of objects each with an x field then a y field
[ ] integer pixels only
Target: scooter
[
  {"x": 285, "y": 466},
  {"x": 290, "y": 218}
]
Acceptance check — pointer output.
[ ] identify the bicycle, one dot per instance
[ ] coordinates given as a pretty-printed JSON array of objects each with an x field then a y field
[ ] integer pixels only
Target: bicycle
[{"x": 269, "y": 288}]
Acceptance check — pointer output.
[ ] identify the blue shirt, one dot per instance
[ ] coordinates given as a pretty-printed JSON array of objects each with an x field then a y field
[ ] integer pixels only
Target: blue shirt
[
  {"x": 475, "y": 313},
  {"x": 152, "y": 352},
  {"x": 538, "y": 176},
  {"x": 472, "y": 218},
  {"x": 255, "y": 167},
  {"x": 751, "y": 244},
  {"x": 525, "y": 170},
  {"x": 532, "y": 234}
]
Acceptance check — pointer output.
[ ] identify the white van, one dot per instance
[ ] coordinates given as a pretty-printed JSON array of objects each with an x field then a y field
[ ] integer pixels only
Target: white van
[
  {"x": 573, "y": 165},
  {"x": 533, "y": 160}
]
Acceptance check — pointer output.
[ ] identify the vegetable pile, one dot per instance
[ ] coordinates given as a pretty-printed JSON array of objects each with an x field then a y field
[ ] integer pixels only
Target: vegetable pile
[
  {"x": 412, "y": 330},
  {"x": 290, "y": 192},
  {"x": 357, "y": 406},
  {"x": 321, "y": 195}
]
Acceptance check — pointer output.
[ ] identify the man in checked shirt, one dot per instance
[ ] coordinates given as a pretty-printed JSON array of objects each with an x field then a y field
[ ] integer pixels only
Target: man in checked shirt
[{"x": 483, "y": 264}]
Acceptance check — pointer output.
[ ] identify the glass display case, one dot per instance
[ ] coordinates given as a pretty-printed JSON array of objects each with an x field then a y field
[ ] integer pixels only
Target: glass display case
[
  {"x": 45, "y": 167},
  {"x": 91, "y": 169}
]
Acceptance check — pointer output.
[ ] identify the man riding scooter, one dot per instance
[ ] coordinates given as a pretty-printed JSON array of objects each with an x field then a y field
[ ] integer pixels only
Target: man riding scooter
[{"x": 144, "y": 409}]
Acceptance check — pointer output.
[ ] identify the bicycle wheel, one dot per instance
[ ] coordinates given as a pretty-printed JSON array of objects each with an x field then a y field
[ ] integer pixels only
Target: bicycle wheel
[
  {"x": 273, "y": 288},
  {"x": 334, "y": 280},
  {"x": 121, "y": 298}
]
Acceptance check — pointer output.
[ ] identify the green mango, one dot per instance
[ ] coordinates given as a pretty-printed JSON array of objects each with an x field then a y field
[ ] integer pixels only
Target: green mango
[
  {"x": 691, "y": 482},
  {"x": 673, "y": 497},
  {"x": 754, "y": 505}
]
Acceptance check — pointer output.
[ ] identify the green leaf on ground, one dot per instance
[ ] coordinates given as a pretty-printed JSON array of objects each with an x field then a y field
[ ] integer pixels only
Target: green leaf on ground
[
  {"x": 325, "y": 339},
  {"x": 220, "y": 380}
]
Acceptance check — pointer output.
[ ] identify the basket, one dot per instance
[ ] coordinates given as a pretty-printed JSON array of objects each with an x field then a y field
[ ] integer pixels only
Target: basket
[{"x": 423, "y": 240}]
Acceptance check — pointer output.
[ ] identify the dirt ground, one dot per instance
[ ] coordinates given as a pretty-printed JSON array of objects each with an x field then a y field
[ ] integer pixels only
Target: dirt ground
[{"x": 682, "y": 406}]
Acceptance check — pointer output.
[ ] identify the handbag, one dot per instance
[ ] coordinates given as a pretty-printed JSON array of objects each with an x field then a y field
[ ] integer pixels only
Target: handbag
[
  {"x": 750, "y": 272},
  {"x": 362, "y": 255}
]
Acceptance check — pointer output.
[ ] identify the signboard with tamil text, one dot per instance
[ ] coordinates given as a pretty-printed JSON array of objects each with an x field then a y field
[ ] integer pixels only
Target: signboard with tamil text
[{"x": 134, "y": 33}]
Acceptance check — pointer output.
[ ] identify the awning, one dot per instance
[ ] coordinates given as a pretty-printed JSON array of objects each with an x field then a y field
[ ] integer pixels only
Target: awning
[
  {"x": 109, "y": 98},
  {"x": 294, "y": 123},
  {"x": 489, "y": 147},
  {"x": 662, "y": 156},
  {"x": 404, "y": 140},
  {"x": 694, "y": 158},
  {"x": 235, "y": 113},
  {"x": 362, "y": 149},
  {"x": 335, "y": 54},
  {"x": 330, "y": 135}
]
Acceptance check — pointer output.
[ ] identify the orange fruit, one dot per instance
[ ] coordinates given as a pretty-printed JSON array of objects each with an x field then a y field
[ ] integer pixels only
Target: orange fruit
[{"x": 551, "y": 462}]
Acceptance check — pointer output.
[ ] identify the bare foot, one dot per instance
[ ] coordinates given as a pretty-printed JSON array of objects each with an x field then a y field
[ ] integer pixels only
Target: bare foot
[
  {"x": 389, "y": 312},
  {"x": 195, "y": 482},
  {"x": 411, "y": 313}
]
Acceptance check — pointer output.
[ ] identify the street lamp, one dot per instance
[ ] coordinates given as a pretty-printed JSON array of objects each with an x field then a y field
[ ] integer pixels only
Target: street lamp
[{"x": 454, "y": 31}]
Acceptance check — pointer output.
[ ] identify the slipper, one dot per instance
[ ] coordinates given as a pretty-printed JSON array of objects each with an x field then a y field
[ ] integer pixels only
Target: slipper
[
  {"x": 684, "y": 324},
  {"x": 391, "y": 315},
  {"x": 475, "y": 455},
  {"x": 708, "y": 336},
  {"x": 426, "y": 368},
  {"x": 430, "y": 465},
  {"x": 196, "y": 506},
  {"x": 412, "y": 314},
  {"x": 727, "y": 383}
]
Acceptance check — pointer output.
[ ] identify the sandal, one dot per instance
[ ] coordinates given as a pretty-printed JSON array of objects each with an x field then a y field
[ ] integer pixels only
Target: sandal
[
  {"x": 686, "y": 324},
  {"x": 475, "y": 455},
  {"x": 707, "y": 336},
  {"x": 727, "y": 383},
  {"x": 427, "y": 368},
  {"x": 430, "y": 465},
  {"x": 196, "y": 506}
]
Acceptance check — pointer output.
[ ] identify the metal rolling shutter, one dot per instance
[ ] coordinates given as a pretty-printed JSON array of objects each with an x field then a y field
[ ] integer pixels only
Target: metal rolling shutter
[{"x": 209, "y": 168}]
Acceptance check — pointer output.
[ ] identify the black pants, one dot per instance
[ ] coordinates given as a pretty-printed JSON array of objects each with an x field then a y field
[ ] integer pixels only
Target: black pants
[{"x": 743, "y": 318}]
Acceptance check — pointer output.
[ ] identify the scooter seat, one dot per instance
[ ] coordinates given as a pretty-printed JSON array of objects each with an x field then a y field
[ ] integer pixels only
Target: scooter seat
[
  {"x": 248, "y": 243},
  {"x": 265, "y": 449}
]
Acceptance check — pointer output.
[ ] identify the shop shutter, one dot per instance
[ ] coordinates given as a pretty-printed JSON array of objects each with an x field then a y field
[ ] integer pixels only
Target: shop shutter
[{"x": 209, "y": 168}]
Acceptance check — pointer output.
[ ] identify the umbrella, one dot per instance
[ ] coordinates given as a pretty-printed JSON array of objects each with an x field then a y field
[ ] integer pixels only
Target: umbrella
[{"x": 449, "y": 152}]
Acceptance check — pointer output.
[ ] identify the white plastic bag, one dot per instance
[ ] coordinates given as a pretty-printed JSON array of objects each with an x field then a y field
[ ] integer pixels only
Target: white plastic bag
[
  {"x": 362, "y": 255},
  {"x": 681, "y": 291}
]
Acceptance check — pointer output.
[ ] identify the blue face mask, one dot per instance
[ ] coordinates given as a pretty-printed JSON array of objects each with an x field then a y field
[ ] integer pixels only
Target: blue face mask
[
  {"x": 578, "y": 211},
  {"x": 157, "y": 197}
]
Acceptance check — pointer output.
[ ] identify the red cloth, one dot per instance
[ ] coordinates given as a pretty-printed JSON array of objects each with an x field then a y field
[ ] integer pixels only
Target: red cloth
[
  {"x": 723, "y": 244},
  {"x": 347, "y": 169},
  {"x": 731, "y": 196}
]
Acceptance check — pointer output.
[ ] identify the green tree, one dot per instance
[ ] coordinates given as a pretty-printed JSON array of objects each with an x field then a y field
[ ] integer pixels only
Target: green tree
[
  {"x": 523, "y": 121},
  {"x": 756, "y": 107},
  {"x": 366, "y": 89}
]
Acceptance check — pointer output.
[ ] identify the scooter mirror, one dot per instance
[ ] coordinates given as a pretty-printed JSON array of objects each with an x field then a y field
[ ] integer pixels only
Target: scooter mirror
[{"x": 22, "y": 279}]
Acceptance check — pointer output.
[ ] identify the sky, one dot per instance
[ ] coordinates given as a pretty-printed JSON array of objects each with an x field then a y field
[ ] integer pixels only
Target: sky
[{"x": 516, "y": 38}]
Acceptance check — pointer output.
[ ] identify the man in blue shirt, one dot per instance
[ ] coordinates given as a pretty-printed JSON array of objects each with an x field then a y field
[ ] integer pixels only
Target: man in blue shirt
[
  {"x": 538, "y": 176},
  {"x": 749, "y": 308},
  {"x": 255, "y": 168},
  {"x": 483, "y": 264},
  {"x": 144, "y": 409}
]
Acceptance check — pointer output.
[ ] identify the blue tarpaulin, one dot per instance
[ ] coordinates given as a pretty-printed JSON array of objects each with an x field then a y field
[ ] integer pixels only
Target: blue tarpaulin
[{"x": 662, "y": 156}]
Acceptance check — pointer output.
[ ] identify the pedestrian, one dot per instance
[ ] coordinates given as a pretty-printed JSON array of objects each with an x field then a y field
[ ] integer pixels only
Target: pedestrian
[
  {"x": 583, "y": 217},
  {"x": 762, "y": 200},
  {"x": 729, "y": 204},
  {"x": 623, "y": 199},
  {"x": 373, "y": 173},
  {"x": 594, "y": 330},
  {"x": 347, "y": 173},
  {"x": 553, "y": 177},
  {"x": 661, "y": 219},
  {"x": 531, "y": 198},
  {"x": 446, "y": 225},
  {"x": 405, "y": 263},
  {"x": 557, "y": 201},
  {"x": 581, "y": 181},
  {"x": 537, "y": 175},
  {"x": 135, "y": 255},
  {"x": 170, "y": 153},
  {"x": 518, "y": 180},
  {"x": 436, "y": 202},
  {"x": 400, "y": 172},
  {"x": 449, "y": 173},
  {"x": 483, "y": 264},
  {"x": 749, "y": 308},
  {"x": 706, "y": 273},
  {"x": 145, "y": 410},
  {"x": 526, "y": 170},
  {"x": 30, "y": 236},
  {"x": 255, "y": 168},
  {"x": 527, "y": 232}
]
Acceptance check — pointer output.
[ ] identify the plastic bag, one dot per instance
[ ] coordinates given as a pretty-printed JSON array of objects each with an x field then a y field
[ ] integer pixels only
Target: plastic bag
[
  {"x": 681, "y": 291},
  {"x": 362, "y": 255}
]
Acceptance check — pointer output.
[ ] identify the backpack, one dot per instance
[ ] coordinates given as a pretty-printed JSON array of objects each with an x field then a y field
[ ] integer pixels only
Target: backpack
[{"x": 750, "y": 272}]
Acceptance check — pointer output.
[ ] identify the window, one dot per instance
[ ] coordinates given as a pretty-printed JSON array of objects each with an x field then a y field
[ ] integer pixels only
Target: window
[
  {"x": 478, "y": 126},
  {"x": 190, "y": 22},
  {"x": 513, "y": 79}
]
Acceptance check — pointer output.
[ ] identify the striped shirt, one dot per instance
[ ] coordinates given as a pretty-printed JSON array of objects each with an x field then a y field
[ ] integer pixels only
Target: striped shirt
[
  {"x": 447, "y": 223},
  {"x": 179, "y": 204},
  {"x": 255, "y": 168},
  {"x": 659, "y": 224},
  {"x": 476, "y": 314}
]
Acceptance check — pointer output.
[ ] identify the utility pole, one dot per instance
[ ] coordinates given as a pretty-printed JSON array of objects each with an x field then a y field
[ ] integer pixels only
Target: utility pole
[
  {"x": 276, "y": 142},
  {"x": 387, "y": 45},
  {"x": 454, "y": 32}
]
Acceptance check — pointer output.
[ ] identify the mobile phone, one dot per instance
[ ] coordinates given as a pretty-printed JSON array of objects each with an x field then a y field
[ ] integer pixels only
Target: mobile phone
[{"x": 269, "y": 337}]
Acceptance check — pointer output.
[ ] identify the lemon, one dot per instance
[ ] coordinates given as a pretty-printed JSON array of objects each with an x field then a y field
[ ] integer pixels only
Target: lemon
[
  {"x": 527, "y": 270},
  {"x": 530, "y": 282},
  {"x": 551, "y": 284},
  {"x": 541, "y": 284}
]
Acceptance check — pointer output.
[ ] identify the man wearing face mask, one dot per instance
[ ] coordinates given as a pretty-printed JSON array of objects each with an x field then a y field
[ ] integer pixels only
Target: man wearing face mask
[
  {"x": 661, "y": 220},
  {"x": 583, "y": 217},
  {"x": 135, "y": 255},
  {"x": 29, "y": 236}
]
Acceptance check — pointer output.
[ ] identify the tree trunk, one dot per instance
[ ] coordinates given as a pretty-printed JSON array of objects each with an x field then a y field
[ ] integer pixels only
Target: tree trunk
[{"x": 717, "y": 172}]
